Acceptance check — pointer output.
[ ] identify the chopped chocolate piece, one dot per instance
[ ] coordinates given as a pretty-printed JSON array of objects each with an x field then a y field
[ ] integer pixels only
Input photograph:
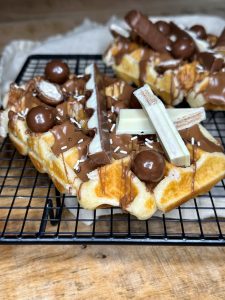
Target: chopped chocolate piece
[
  {"x": 99, "y": 148},
  {"x": 178, "y": 32},
  {"x": 49, "y": 93},
  {"x": 30, "y": 100},
  {"x": 183, "y": 48},
  {"x": 75, "y": 85},
  {"x": 40, "y": 119},
  {"x": 163, "y": 27},
  {"x": 67, "y": 135},
  {"x": 200, "y": 139},
  {"x": 149, "y": 166},
  {"x": 82, "y": 168},
  {"x": 57, "y": 71},
  {"x": 210, "y": 62},
  {"x": 122, "y": 145},
  {"x": 199, "y": 30},
  {"x": 221, "y": 39},
  {"x": 147, "y": 31},
  {"x": 62, "y": 112}
]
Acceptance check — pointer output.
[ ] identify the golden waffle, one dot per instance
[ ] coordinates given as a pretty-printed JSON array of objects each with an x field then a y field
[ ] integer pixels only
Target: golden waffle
[
  {"x": 115, "y": 183},
  {"x": 172, "y": 78}
]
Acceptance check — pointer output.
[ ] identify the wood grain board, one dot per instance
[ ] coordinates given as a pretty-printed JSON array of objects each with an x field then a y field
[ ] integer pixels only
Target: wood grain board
[{"x": 103, "y": 272}]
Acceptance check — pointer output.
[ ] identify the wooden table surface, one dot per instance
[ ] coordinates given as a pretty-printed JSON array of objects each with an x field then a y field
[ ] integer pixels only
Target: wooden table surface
[{"x": 103, "y": 272}]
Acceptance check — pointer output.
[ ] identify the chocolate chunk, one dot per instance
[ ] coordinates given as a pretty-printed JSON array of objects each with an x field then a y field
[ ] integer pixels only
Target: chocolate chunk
[
  {"x": 149, "y": 166},
  {"x": 178, "y": 32},
  {"x": 221, "y": 39},
  {"x": 163, "y": 27},
  {"x": 49, "y": 93},
  {"x": 147, "y": 31},
  {"x": 199, "y": 30},
  {"x": 40, "y": 119},
  {"x": 204, "y": 143},
  {"x": 183, "y": 48},
  {"x": 210, "y": 62},
  {"x": 57, "y": 71},
  {"x": 99, "y": 148},
  {"x": 75, "y": 85}
]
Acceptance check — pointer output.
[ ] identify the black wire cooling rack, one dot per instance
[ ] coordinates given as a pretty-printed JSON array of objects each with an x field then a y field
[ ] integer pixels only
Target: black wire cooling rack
[{"x": 33, "y": 211}]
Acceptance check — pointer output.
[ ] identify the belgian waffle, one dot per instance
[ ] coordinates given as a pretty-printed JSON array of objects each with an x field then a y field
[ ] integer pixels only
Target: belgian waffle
[
  {"x": 83, "y": 155},
  {"x": 178, "y": 63}
]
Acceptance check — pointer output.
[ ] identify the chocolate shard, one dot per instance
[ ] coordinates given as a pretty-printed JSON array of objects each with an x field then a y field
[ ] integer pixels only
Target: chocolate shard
[
  {"x": 67, "y": 136},
  {"x": 221, "y": 40},
  {"x": 178, "y": 32},
  {"x": 144, "y": 28},
  {"x": 99, "y": 148},
  {"x": 210, "y": 62}
]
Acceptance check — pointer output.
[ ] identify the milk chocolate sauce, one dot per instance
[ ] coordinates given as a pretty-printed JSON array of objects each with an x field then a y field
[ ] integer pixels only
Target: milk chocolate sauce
[
  {"x": 67, "y": 135},
  {"x": 204, "y": 143},
  {"x": 215, "y": 92}
]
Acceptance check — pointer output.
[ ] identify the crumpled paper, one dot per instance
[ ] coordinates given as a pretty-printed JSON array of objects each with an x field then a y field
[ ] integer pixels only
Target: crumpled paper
[{"x": 93, "y": 38}]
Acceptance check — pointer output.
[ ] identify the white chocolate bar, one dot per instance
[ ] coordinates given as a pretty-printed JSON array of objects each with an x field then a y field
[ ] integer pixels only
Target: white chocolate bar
[
  {"x": 136, "y": 121},
  {"x": 167, "y": 133}
]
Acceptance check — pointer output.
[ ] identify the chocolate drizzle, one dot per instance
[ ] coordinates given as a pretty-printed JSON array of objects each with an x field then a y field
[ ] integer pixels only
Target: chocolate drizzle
[
  {"x": 203, "y": 142},
  {"x": 215, "y": 91}
]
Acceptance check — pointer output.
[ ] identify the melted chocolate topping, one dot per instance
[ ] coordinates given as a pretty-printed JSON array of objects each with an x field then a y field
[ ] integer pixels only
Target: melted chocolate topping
[
  {"x": 67, "y": 136},
  {"x": 76, "y": 85},
  {"x": 215, "y": 92},
  {"x": 204, "y": 143}
]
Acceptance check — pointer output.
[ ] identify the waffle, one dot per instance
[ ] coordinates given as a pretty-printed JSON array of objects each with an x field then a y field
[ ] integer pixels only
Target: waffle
[
  {"x": 197, "y": 77},
  {"x": 106, "y": 178}
]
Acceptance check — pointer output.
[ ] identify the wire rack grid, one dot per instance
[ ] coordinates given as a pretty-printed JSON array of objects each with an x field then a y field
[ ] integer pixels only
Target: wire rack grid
[{"x": 32, "y": 211}]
